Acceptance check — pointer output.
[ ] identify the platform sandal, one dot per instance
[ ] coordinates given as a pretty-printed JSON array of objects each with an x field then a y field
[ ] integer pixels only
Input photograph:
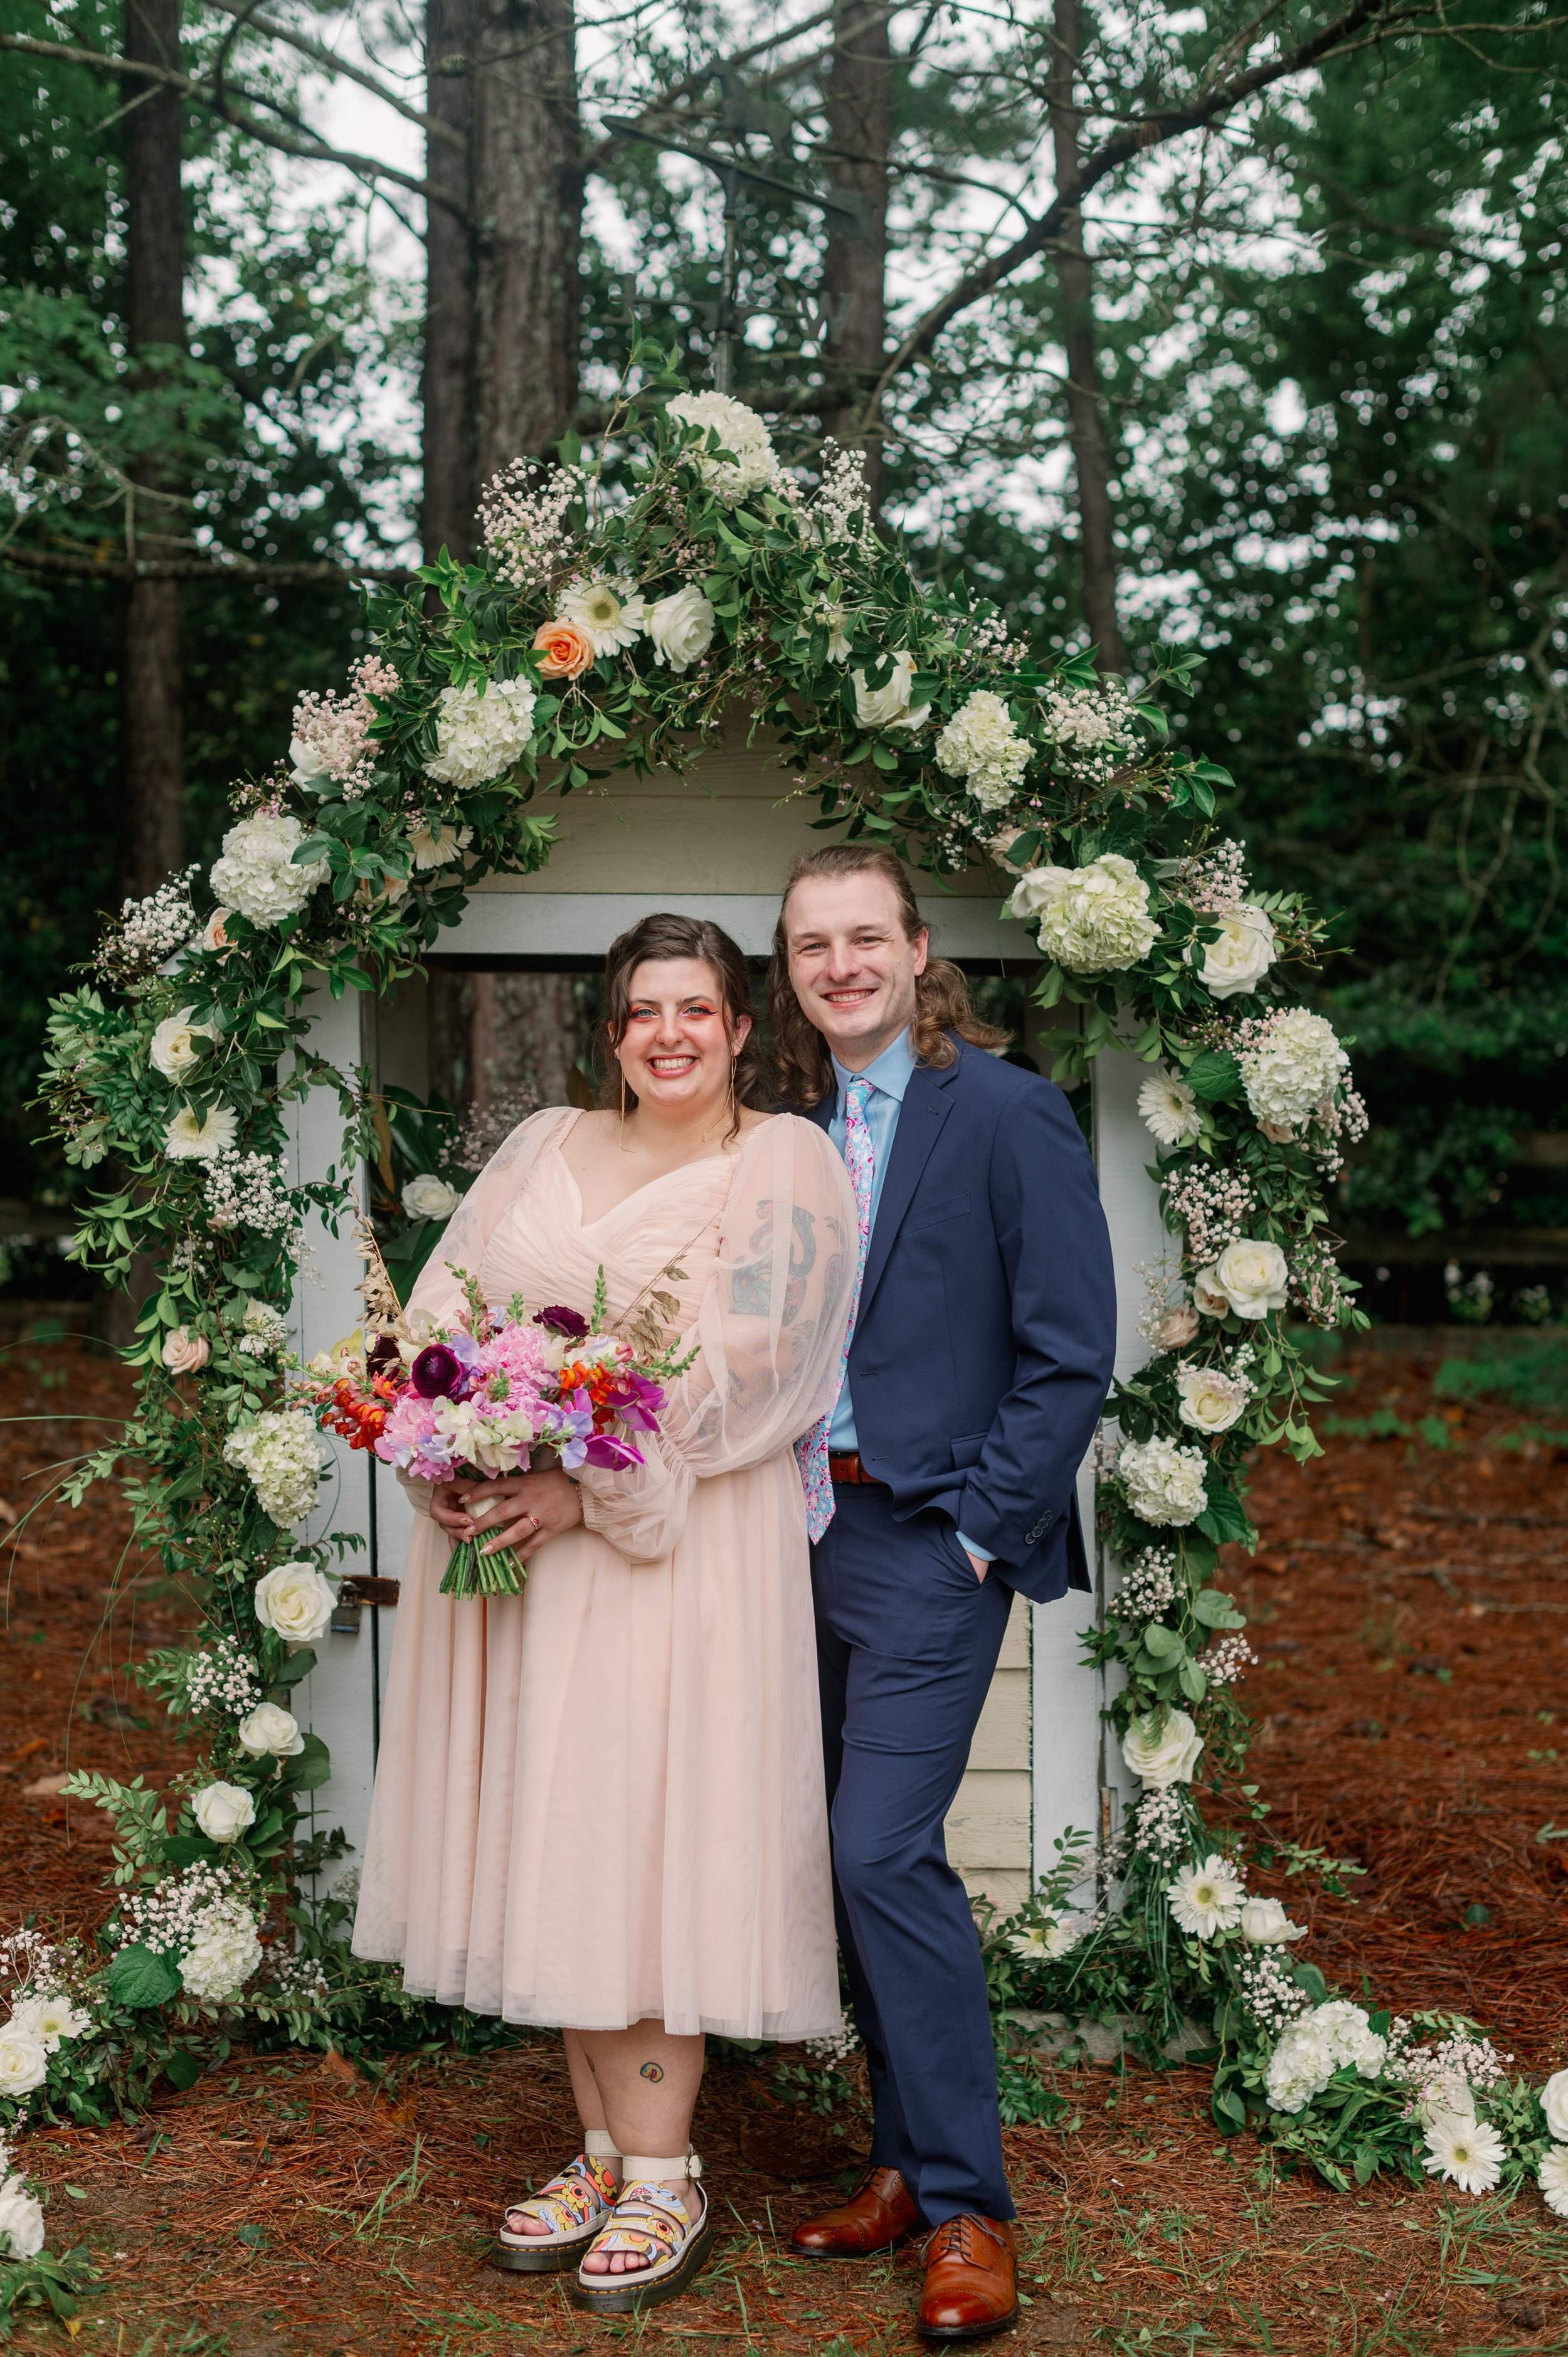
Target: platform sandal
[
  {"x": 649, "y": 2223},
  {"x": 573, "y": 2206}
]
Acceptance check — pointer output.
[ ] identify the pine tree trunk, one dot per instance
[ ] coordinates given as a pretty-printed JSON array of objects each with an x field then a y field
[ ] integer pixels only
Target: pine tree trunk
[
  {"x": 859, "y": 101},
  {"x": 527, "y": 211},
  {"x": 447, "y": 376},
  {"x": 151, "y": 752},
  {"x": 1086, "y": 407}
]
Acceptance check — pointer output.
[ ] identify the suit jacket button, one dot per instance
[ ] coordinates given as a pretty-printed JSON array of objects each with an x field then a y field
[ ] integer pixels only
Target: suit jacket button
[{"x": 1033, "y": 1538}]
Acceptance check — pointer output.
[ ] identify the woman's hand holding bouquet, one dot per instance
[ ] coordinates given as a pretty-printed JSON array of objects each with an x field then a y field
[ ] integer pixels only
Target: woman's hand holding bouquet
[{"x": 503, "y": 1394}]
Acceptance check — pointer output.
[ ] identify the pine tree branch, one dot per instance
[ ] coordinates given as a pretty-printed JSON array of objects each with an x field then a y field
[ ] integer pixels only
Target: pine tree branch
[
  {"x": 270, "y": 29},
  {"x": 1154, "y": 129},
  {"x": 197, "y": 93}
]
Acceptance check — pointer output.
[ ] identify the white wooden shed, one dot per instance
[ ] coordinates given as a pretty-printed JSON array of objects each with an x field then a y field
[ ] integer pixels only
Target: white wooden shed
[{"x": 718, "y": 845}]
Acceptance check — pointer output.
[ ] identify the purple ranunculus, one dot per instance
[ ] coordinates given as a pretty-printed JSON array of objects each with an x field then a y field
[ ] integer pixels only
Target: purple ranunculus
[
  {"x": 436, "y": 1372},
  {"x": 568, "y": 1323}
]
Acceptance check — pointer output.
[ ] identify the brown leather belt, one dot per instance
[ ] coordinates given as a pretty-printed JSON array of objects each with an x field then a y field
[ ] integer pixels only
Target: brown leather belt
[{"x": 850, "y": 1468}]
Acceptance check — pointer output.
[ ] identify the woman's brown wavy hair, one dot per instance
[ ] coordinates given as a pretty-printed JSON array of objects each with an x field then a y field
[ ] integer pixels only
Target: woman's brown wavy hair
[
  {"x": 663, "y": 936},
  {"x": 803, "y": 1065}
]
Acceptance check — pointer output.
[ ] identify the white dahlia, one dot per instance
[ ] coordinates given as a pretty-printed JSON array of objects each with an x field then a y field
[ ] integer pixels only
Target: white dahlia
[
  {"x": 751, "y": 464},
  {"x": 1163, "y": 1481},
  {"x": 257, "y": 874},
  {"x": 1292, "y": 1064},
  {"x": 201, "y": 1138},
  {"x": 1092, "y": 920},
  {"x": 1207, "y": 1898},
  {"x": 480, "y": 730},
  {"x": 980, "y": 745},
  {"x": 1169, "y": 1108}
]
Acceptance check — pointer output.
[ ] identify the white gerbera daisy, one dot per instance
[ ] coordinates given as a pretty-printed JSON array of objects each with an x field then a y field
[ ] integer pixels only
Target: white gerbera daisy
[
  {"x": 1553, "y": 2180},
  {"x": 51, "y": 2019},
  {"x": 1207, "y": 1898},
  {"x": 1467, "y": 2152},
  {"x": 609, "y": 613},
  {"x": 1169, "y": 1108},
  {"x": 1055, "y": 1936},
  {"x": 432, "y": 844},
  {"x": 192, "y": 1139}
]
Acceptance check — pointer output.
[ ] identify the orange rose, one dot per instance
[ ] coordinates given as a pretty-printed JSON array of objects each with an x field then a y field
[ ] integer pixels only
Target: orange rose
[{"x": 568, "y": 651}]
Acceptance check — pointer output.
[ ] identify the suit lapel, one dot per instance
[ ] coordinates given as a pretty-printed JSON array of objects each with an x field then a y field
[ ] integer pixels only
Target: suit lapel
[
  {"x": 823, "y": 1113},
  {"x": 928, "y": 1101}
]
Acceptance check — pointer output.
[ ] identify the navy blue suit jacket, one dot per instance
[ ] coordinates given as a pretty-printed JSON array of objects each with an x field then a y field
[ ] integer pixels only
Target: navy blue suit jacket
[{"x": 983, "y": 1351}]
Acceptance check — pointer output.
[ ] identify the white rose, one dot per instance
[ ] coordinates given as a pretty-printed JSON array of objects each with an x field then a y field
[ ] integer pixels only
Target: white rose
[
  {"x": 224, "y": 1811},
  {"x": 1238, "y": 960},
  {"x": 1211, "y": 1400},
  {"x": 178, "y": 1042},
  {"x": 682, "y": 628},
  {"x": 271, "y": 1729},
  {"x": 190, "y": 1137},
  {"x": 1162, "y": 1755},
  {"x": 23, "y": 2065},
  {"x": 212, "y": 936},
  {"x": 430, "y": 1198},
  {"x": 1163, "y": 1481},
  {"x": 184, "y": 1353},
  {"x": 21, "y": 2220},
  {"x": 1553, "y": 2178},
  {"x": 1248, "y": 1278},
  {"x": 1034, "y": 892},
  {"x": 1554, "y": 2104},
  {"x": 295, "y": 1601},
  {"x": 1265, "y": 1923},
  {"x": 888, "y": 707}
]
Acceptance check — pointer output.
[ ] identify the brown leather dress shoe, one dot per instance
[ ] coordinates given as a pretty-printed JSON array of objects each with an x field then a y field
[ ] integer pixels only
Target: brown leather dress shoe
[
  {"x": 879, "y": 2212},
  {"x": 970, "y": 2280}
]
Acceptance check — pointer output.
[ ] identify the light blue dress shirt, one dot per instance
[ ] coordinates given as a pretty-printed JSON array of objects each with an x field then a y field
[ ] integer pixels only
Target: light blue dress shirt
[{"x": 889, "y": 1076}]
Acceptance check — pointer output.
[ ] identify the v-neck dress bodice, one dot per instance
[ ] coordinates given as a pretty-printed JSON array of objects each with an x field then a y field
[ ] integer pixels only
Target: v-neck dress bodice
[{"x": 601, "y": 1802}]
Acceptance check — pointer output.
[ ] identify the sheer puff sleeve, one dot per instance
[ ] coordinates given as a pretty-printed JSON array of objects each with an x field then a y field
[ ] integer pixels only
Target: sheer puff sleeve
[
  {"x": 436, "y": 1291},
  {"x": 768, "y": 1337}
]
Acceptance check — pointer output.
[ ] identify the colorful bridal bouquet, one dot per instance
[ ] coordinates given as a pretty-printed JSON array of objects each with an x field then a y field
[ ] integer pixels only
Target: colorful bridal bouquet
[{"x": 502, "y": 1391}]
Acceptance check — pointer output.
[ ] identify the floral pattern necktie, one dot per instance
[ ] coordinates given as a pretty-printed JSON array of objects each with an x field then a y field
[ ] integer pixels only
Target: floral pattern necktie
[{"x": 811, "y": 1448}]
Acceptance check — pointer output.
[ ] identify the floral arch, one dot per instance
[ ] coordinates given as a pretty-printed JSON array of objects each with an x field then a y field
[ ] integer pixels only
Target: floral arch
[{"x": 616, "y": 629}]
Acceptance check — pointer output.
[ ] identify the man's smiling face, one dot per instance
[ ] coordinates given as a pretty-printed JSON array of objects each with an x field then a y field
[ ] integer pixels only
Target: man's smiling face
[{"x": 853, "y": 966}]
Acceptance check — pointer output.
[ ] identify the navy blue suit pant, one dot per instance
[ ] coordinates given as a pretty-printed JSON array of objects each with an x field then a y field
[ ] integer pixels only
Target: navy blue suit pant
[{"x": 906, "y": 1642}]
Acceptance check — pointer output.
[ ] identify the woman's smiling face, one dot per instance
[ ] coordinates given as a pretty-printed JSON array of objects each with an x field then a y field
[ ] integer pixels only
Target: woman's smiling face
[{"x": 678, "y": 1046}]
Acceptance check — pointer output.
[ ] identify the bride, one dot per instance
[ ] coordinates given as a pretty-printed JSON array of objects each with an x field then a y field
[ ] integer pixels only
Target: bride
[{"x": 599, "y": 1804}]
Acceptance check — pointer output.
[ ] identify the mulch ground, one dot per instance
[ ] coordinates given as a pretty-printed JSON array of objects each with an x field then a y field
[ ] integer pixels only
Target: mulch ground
[{"x": 1411, "y": 1613}]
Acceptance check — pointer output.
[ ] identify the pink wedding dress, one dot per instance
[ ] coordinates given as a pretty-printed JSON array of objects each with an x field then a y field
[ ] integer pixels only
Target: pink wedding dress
[{"x": 601, "y": 1802}]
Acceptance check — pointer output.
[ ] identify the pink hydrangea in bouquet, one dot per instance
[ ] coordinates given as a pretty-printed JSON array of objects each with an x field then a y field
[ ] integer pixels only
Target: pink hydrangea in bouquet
[{"x": 501, "y": 1392}]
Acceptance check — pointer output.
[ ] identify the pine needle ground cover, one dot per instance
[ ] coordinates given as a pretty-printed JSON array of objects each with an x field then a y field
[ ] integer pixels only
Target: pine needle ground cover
[{"x": 1410, "y": 1615}]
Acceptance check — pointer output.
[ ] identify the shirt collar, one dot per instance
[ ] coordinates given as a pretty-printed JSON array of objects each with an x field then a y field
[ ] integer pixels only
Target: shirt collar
[{"x": 889, "y": 1073}]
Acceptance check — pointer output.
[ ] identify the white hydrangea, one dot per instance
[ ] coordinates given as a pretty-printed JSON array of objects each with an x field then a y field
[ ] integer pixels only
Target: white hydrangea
[
  {"x": 1163, "y": 1481},
  {"x": 256, "y": 872},
  {"x": 1092, "y": 920},
  {"x": 1291, "y": 1064},
  {"x": 751, "y": 465},
  {"x": 262, "y": 1330},
  {"x": 981, "y": 745},
  {"x": 480, "y": 730},
  {"x": 1311, "y": 2050},
  {"x": 224, "y": 1954},
  {"x": 282, "y": 1454}
]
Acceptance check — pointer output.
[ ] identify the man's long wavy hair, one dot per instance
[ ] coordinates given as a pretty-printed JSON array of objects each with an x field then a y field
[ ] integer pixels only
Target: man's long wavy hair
[{"x": 803, "y": 1065}]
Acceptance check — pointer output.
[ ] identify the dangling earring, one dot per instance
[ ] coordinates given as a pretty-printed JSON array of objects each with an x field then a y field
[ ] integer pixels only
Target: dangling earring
[
  {"x": 620, "y": 1141},
  {"x": 733, "y": 1107}
]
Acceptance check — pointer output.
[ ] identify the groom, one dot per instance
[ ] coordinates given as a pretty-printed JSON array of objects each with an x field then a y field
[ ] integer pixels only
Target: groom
[{"x": 979, "y": 1365}]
